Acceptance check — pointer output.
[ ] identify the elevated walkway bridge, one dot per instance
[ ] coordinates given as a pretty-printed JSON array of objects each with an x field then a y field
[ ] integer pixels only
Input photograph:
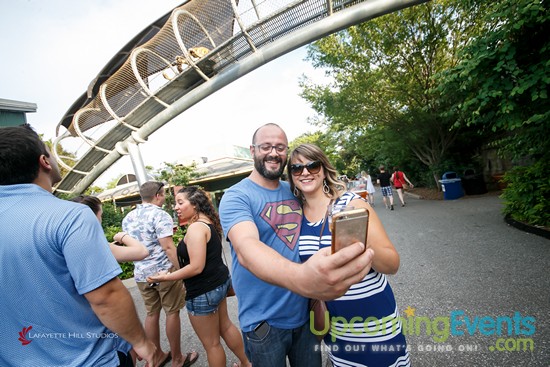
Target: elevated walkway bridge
[{"x": 182, "y": 58}]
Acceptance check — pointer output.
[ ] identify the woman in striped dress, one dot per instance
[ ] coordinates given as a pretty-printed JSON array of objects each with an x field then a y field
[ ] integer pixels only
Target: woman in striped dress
[{"x": 365, "y": 322}]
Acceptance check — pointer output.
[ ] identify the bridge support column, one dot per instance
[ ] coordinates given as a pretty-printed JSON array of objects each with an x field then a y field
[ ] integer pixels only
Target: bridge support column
[{"x": 137, "y": 162}]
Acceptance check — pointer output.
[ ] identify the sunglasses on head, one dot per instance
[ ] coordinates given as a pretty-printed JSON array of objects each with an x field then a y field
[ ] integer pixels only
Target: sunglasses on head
[
  {"x": 313, "y": 167},
  {"x": 161, "y": 187}
]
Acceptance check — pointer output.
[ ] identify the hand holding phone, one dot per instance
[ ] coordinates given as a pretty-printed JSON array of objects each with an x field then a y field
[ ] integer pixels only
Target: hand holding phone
[{"x": 349, "y": 226}]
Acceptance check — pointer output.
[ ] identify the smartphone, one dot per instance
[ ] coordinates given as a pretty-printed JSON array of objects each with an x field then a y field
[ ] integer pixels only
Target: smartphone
[
  {"x": 261, "y": 329},
  {"x": 348, "y": 227}
]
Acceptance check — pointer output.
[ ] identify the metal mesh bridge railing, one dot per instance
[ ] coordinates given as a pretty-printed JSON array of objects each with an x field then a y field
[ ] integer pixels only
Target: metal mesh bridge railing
[{"x": 200, "y": 43}]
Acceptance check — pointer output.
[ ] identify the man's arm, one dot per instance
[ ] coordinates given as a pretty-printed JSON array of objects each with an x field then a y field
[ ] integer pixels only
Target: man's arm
[
  {"x": 113, "y": 305},
  {"x": 323, "y": 276},
  {"x": 167, "y": 244}
]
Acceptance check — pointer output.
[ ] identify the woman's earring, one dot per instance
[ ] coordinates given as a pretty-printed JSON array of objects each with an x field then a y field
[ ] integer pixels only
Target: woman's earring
[
  {"x": 326, "y": 189},
  {"x": 296, "y": 192}
]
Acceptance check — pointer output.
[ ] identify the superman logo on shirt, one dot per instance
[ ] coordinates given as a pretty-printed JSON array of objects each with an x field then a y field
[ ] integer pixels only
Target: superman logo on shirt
[{"x": 285, "y": 217}]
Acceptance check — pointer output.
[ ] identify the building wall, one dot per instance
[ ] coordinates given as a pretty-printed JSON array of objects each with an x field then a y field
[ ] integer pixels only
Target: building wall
[
  {"x": 13, "y": 113},
  {"x": 9, "y": 118}
]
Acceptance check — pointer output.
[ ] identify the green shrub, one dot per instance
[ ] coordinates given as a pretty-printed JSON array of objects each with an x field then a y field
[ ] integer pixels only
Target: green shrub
[
  {"x": 179, "y": 234},
  {"x": 526, "y": 197},
  {"x": 127, "y": 267},
  {"x": 127, "y": 270},
  {"x": 112, "y": 216},
  {"x": 112, "y": 224}
]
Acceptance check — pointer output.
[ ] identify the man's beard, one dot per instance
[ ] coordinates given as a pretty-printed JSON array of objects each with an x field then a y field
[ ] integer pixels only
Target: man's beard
[{"x": 259, "y": 164}]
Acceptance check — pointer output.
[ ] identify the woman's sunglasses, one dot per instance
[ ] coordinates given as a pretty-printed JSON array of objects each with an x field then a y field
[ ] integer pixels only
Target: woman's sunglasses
[{"x": 313, "y": 167}]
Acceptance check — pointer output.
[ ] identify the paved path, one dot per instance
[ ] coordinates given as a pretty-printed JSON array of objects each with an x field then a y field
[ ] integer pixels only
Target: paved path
[{"x": 459, "y": 258}]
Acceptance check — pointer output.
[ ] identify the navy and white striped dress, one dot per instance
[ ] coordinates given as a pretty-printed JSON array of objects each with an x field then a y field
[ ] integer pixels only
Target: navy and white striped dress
[{"x": 366, "y": 326}]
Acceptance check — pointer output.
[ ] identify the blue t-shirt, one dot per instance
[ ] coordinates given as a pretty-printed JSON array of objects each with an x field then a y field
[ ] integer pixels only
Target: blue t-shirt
[
  {"x": 278, "y": 216},
  {"x": 52, "y": 252}
]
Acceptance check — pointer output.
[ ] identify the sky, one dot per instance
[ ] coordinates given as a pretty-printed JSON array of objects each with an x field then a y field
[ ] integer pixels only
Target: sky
[{"x": 51, "y": 50}]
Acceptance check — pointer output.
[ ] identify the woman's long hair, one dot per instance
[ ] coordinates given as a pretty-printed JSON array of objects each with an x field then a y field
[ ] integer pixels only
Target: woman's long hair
[
  {"x": 314, "y": 153},
  {"x": 202, "y": 203}
]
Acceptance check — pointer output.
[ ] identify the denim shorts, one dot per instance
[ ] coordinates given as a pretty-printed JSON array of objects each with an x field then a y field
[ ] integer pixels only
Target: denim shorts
[{"x": 208, "y": 303}]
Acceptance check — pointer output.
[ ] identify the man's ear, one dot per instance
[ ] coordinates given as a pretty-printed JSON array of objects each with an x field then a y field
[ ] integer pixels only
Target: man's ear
[{"x": 45, "y": 163}]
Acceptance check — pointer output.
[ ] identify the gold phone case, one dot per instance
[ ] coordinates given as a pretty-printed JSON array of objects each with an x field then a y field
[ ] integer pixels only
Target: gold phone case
[{"x": 348, "y": 227}]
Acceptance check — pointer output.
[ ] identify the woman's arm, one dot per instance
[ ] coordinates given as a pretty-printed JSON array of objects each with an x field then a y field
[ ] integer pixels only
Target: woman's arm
[
  {"x": 406, "y": 179},
  {"x": 132, "y": 251},
  {"x": 196, "y": 239},
  {"x": 386, "y": 258}
]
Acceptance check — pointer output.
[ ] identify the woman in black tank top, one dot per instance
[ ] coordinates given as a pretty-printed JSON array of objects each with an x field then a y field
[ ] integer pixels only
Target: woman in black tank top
[{"x": 206, "y": 277}]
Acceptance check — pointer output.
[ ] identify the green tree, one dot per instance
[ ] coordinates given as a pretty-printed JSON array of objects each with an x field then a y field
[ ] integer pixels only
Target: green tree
[
  {"x": 175, "y": 174},
  {"x": 382, "y": 95},
  {"x": 68, "y": 158},
  {"x": 500, "y": 86},
  {"x": 112, "y": 182}
]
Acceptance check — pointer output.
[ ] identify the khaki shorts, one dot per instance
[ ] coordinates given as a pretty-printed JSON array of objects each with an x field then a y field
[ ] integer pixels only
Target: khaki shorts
[{"x": 170, "y": 296}]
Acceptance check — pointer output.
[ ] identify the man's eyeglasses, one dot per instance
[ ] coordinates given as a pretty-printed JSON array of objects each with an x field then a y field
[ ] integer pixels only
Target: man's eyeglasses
[
  {"x": 267, "y": 148},
  {"x": 313, "y": 167},
  {"x": 161, "y": 188}
]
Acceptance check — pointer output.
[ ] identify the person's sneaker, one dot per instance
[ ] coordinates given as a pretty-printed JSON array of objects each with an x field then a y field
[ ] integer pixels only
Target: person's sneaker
[
  {"x": 402, "y": 204},
  {"x": 391, "y": 207}
]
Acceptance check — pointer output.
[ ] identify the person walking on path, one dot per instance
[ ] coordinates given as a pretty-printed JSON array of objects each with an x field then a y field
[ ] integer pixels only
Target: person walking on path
[
  {"x": 399, "y": 178},
  {"x": 153, "y": 227},
  {"x": 372, "y": 299},
  {"x": 369, "y": 187},
  {"x": 54, "y": 253},
  {"x": 261, "y": 219},
  {"x": 206, "y": 277},
  {"x": 385, "y": 187}
]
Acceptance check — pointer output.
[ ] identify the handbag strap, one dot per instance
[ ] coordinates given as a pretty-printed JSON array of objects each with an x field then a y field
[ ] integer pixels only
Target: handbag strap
[
  {"x": 324, "y": 222},
  {"x": 313, "y": 301}
]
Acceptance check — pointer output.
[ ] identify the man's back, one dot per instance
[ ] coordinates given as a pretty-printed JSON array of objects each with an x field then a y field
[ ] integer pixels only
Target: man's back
[
  {"x": 57, "y": 252},
  {"x": 147, "y": 223},
  {"x": 384, "y": 178}
]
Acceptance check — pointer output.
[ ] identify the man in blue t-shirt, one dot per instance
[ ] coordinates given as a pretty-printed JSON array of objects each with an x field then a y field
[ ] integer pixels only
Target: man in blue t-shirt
[
  {"x": 61, "y": 293},
  {"x": 261, "y": 218}
]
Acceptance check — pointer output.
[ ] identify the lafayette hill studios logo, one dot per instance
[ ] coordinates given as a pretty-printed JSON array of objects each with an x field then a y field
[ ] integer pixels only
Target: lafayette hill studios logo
[
  {"x": 23, "y": 336},
  {"x": 26, "y": 336}
]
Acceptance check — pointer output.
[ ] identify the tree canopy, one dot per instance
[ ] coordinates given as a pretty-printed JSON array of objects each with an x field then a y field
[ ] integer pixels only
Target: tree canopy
[
  {"x": 383, "y": 96},
  {"x": 434, "y": 83},
  {"x": 500, "y": 86}
]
